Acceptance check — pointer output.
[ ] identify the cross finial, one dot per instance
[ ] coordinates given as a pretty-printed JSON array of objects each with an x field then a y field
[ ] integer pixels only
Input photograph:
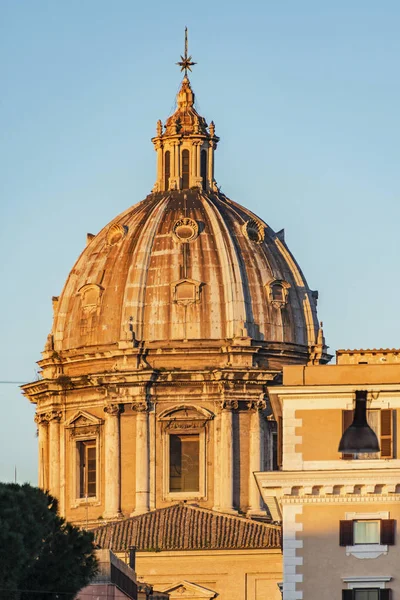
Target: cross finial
[{"x": 186, "y": 61}]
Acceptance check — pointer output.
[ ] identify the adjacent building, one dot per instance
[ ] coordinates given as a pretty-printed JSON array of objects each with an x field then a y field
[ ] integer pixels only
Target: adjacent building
[{"x": 339, "y": 511}]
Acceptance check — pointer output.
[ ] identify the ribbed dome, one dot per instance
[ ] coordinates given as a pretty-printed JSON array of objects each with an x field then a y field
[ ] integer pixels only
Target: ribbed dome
[{"x": 190, "y": 266}]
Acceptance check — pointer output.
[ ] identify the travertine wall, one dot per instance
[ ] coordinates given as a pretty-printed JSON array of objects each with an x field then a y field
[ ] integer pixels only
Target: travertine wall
[{"x": 231, "y": 575}]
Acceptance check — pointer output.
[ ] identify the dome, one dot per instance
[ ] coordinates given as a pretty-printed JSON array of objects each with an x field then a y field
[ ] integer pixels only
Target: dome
[
  {"x": 186, "y": 266},
  {"x": 172, "y": 325}
]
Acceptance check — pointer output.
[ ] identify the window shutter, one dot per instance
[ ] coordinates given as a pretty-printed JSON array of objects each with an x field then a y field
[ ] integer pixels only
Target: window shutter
[
  {"x": 386, "y": 433},
  {"x": 346, "y": 533},
  {"x": 347, "y": 419},
  {"x": 387, "y": 531},
  {"x": 385, "y": 594},
  {"x": 347, "y": 595}
]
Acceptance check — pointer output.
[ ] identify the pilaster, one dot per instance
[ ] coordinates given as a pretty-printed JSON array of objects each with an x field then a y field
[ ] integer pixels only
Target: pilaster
[
  {"x": 112, "y": 504},
  {"x": 54, "y": 418},
  {"x": 142, "y": 503},
  {"x": 226, "y": 456},
  {"x": 256, "y": 455}
]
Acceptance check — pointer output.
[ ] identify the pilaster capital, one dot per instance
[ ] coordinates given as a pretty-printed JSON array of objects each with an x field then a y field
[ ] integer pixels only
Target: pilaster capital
[
  {"x": 229, "y": 405},
  {"x": 257, "y": 405},
  {"x": 54, "y": 415},
  {"x": 113, "y": 410},
  {"x": 40, "y": 418},
  {"x": 141, "y": 406}
]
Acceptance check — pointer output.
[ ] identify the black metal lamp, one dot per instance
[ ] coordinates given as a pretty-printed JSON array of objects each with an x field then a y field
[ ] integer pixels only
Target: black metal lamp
[{"x": 359, "y": 437}]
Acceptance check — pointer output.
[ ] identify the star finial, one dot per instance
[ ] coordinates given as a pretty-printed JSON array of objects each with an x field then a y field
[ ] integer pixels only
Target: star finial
[{"x": 186, "y": 61}]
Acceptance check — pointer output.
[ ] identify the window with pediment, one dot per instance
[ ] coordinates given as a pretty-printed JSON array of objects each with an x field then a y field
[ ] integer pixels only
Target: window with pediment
[{"x": 184, "y": 446}]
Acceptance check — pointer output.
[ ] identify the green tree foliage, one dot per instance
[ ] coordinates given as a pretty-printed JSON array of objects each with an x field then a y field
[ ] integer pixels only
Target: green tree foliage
[{"x": 42, "y": 557}]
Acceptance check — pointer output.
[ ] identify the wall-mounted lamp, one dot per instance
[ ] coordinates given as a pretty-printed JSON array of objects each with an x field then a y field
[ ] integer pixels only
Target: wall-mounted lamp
[{"x": 359, "y": 437}]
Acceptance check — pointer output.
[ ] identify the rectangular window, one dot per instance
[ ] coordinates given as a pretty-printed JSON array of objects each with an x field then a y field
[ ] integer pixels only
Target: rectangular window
[
  {"x": 184, "y": 463},
  {"x": 381, "y": 421},
  {"x": 366, "y": 594},
  {"x": 87, "y": 468},
  {"x": 366, "y": 532}
]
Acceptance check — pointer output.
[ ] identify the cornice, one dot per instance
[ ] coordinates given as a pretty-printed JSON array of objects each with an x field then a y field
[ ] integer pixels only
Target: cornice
[{"x": 339, "y": 483}]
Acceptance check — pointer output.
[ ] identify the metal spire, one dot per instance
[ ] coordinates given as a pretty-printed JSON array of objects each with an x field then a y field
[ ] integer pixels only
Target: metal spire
[{"x": 186, "y": 61}]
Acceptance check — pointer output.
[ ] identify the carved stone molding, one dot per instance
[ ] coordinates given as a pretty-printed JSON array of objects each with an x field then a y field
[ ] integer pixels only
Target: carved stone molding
[
  {"x": 257, "y": 405},
  {"x": 40, "y": 419},
  {"x": 185, "y": 230},
  {"x": 54, "y": 415},
  {"x": 253, "y": 230},
  {"x": 140, "y": 406},
  {"x": 229, "y": 404},
  {"x": 112, "y": 409}
]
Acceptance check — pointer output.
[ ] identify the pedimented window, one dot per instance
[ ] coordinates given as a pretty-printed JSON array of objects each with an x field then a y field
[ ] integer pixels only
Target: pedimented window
[
  {"x": 186, "y": 291},
  {"x": 184, "y": 443},
  {"x": 278, "y": 292},
  {"x": 90, "y": 297}
]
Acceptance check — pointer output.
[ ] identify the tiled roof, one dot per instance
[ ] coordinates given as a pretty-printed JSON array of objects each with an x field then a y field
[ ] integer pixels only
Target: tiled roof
[{"x": 187, "y": 527}]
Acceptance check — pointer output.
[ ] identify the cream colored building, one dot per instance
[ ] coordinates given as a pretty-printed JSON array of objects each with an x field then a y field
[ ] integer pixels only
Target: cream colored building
[{"x": 339, "y": 512}]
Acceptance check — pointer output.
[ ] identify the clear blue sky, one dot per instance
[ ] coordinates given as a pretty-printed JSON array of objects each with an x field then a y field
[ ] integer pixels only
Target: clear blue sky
[{"x": 305, "y": 96}]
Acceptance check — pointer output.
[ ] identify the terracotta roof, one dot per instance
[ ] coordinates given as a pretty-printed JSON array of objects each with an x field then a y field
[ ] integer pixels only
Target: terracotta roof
[{"x": 187, "y": 527}]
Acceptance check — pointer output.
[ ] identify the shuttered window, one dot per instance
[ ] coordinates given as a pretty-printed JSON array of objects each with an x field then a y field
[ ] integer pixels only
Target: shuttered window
[
  {"x": 386, "y": 433},
  {"x": 354, "y": 532},
  {"x": 381, "y": 421},
  {"x": 366, "y": 594}
]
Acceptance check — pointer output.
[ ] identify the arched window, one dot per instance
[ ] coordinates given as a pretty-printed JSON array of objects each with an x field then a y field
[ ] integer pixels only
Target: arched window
[
  {"x": 203, "y": 167},
  {"x": 185, "y": 169},
  {"x": 167, "y": 167}
]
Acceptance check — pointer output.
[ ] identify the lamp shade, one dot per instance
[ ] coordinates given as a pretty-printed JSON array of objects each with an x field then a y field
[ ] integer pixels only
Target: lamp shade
[{"x": 359, "y": 437}]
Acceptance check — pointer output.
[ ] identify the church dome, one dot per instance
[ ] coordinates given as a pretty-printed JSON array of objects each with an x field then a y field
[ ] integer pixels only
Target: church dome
[{"x": 188, "y": 266}]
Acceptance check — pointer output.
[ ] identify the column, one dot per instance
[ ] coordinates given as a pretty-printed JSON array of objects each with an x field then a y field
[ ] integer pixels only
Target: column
[
  {"x": 142, "y": 503},
  {"x": 43, "y": 443},
  {"x": 152, "y": 458},
  {"x": 256, "y": 455},
  {"x": 226, "y": 456},
  {"x": 112, "y": 503},
  {"x": 217, "y": 465},
  {"x": 54, "y": 418}
]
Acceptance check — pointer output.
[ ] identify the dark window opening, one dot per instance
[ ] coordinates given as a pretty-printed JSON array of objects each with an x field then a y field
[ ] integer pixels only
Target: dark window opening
[
  {"x": 203, "y": 167},
  {"x": 167, "y": 168},
  {"x": 87, "y": 469},
  {"x": 277, "y": 292},
  {"x": 185, "y": 169},
  {"x": 184, "y": 466}
]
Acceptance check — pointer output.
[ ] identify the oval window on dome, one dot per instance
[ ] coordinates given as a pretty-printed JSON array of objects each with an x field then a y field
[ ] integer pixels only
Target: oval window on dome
[
  {"x": 115, "y": 233},
  {"x": 254, "y": 231},
  {"x": 185, "y": 230}
]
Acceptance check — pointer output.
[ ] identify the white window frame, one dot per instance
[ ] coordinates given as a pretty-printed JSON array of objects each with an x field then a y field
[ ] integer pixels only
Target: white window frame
[
  {"x": 75, "y": 459},
  {"x": 198, "y": 495},
  {"x": 366, "y": 550},
  {"x": 367, "y": 581}
]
